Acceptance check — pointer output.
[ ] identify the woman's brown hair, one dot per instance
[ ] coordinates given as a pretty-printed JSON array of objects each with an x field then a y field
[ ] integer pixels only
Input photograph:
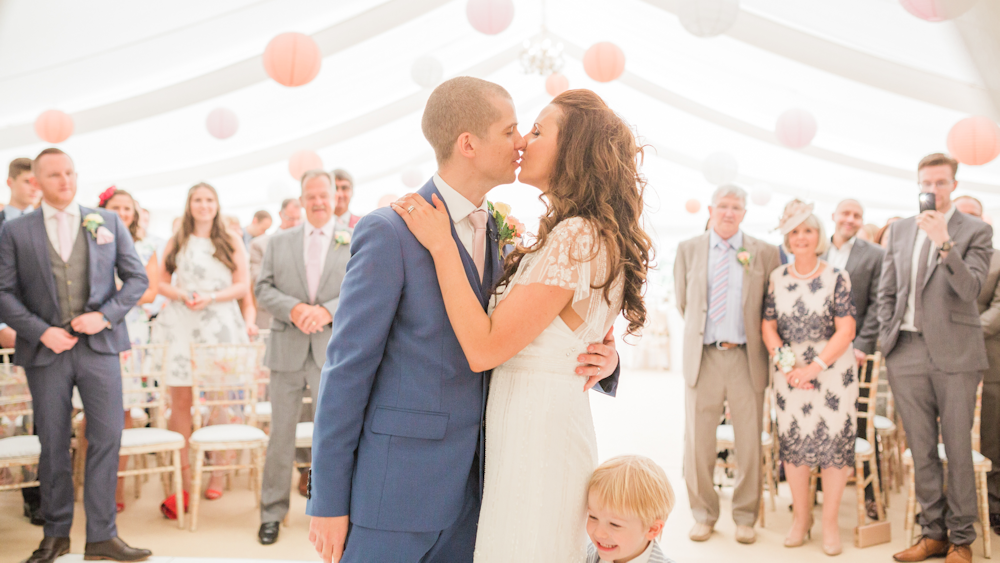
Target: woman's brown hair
[
  {"x": 596, "y": 177},
  {"x": 133, "y": 227},
  {"x": 221, "y": 239}
]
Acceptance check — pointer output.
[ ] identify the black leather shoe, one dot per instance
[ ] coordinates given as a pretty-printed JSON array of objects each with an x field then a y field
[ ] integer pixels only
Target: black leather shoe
[
  {"x": 114, "y": 550},
  {"x": 34, "y": 514},
  {"x": 995, "y": 522},
  {"x": 49, "y": 550},
  {"x": 268, "y": 533}
]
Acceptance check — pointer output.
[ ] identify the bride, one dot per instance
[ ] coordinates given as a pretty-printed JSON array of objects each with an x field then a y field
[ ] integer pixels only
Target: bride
[{"x": 556, "y": 297}]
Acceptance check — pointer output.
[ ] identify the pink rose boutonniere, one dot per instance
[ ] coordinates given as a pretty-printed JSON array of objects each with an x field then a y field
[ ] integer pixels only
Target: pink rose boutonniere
[
  {"x": 342, "y": 238},
  {"x": 743, "y": 256},
  {"x": 94, "y": 224}
]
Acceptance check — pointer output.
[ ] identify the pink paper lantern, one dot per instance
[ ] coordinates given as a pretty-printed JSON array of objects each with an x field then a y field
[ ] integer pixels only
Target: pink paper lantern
[
  {"x": 490, "y": 16},
  {"x": 974, "y": 140},
  {"x": 385, "y": 200},
  {"x": 222, "y": 123},
  {"x": 53, "y": 126},
  {"x": 604, "y": 61},
  {"x": 292, "y": 59},
  {"x": 412, "y": 178},
  {"x": 556, "y": 84},
  {"x": 937, "y": 10},
  {"x": 692, "y": 206},
  {"x": 302, "y": 162},
  {"x": 796, "y": 128}
]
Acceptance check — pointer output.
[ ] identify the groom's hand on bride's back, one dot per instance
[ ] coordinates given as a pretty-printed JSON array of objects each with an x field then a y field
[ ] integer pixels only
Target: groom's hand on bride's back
[
  {"x": 328, "y": 535},
  {"x": 599, "y": 362}
]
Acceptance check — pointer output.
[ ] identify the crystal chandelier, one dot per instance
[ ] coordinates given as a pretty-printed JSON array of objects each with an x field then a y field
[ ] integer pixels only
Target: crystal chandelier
[{"x": 541, "y": 57}]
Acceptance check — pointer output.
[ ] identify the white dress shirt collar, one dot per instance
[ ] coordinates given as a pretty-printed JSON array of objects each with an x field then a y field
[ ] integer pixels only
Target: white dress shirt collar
[
  {"x": 838, "y": 257},
  {"x": 458, "y": 206},
  {"x": 735, "y": 241},
  {"x": 326, "y": 230},
  {"x": 49, "y": 212}
]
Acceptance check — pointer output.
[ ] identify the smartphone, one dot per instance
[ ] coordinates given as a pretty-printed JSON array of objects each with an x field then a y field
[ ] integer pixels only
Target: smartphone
[{"x": 927, "y": 202}]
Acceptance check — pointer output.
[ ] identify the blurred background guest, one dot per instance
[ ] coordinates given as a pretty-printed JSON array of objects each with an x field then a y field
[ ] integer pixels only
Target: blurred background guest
[
  {"x": 344, "y": 184},
  {"x": 259, "y": 225}
]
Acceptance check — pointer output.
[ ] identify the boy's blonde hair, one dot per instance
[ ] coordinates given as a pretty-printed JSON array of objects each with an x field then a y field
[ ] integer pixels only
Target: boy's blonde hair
[{"x": 633, "y": 485}]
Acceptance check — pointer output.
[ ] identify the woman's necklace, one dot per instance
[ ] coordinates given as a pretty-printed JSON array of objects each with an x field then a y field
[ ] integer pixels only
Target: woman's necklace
[{"x": 796, "y": 274}]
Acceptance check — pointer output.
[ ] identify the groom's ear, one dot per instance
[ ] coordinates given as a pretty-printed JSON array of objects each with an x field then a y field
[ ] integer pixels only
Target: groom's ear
[{"x": 465, "y": 145}]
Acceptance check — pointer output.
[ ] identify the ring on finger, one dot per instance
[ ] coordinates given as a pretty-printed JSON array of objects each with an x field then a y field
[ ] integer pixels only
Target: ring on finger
[
  {"x": 410, "y": 209},
  {"x": 598, "y": 371}
]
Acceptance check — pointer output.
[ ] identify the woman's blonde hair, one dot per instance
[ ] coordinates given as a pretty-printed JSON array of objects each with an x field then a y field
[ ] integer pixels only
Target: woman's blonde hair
[
  {"x": 633, "y": 485},
  {"x": 811, "y": 221}
]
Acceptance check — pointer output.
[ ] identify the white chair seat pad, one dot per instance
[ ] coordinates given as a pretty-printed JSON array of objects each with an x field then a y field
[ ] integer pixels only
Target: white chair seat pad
[
  {"x": 303, "y": 430},
  {"x": 883, "y": 423},
  {"x": 20, "y": 446},
  {"x": 726, "y": 433},
  {"x": 263, "y": 408},
  {"x": 227, "y": 433},
  {"x": 132, "y": 437},
  {"x": 862, "y": 446},
  {"x": 977, "y": 457}
]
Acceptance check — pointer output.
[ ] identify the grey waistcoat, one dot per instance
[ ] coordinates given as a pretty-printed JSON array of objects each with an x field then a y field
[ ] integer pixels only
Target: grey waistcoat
[{"x": 72, "y": 278}]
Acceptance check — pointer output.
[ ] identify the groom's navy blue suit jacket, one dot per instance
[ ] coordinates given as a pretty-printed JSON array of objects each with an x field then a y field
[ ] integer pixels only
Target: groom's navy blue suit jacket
[{"x": 399, "y": 418}]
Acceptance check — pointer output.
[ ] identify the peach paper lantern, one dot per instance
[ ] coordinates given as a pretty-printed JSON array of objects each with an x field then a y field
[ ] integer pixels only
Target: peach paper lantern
[
  {"x": 385, "y": 200},
  {"x": 556, "y": 84},
  {"x": 490, "y": 16},
  {"x": 292, "y": 59},
  {"x": 974, "y": 140},
  {"x": 796, "y": 128},
  {"x": 53, "y": 126},
  {"x": 937, "y": 10},
  {"x": 692, "y": 206},
  {"x": 412, "y": 178},
  {"x": 222, "y": 123},
  {"x": 604, "y": 61},
  {"x": 302, "y": 162}
]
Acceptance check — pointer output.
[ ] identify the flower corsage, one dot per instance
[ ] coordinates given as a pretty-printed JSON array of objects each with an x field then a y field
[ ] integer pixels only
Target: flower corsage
[
  {"x": 342, "y": 237},
  {"x": 743, "y": 256},
  {"x": 784, "y": 358}
]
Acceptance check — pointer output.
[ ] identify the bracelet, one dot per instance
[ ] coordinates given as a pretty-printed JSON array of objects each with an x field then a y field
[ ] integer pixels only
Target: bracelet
[{"x": 820, "y": 361}]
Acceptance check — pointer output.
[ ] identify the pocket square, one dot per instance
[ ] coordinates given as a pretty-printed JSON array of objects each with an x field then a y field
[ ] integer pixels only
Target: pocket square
[{"x": 104, "y": 236}]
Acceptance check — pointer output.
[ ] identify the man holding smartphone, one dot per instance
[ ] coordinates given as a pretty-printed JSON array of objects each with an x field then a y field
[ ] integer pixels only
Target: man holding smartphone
[{"x": 931, "y": 335}]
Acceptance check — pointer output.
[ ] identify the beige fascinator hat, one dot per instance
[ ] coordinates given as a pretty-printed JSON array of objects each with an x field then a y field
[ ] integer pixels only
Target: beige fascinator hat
[{"x": 795, "y": 213}]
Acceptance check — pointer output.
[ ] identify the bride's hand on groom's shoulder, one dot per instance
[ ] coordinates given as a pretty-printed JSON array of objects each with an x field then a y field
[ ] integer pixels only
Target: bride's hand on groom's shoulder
[
  {"x": 328, "y": 535},
  {"x": 430, "y": 224}
]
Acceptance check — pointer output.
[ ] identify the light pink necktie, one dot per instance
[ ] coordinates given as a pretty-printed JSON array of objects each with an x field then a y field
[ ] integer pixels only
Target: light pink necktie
[
  {"x": 65, "y": 240},
  {"x": 478, "y": 220},
  {"x": 313, "y": 260}
]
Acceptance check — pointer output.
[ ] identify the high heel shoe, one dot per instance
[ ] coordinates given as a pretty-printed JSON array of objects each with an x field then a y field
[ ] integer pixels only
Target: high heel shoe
[{"x": 789, "y": 542}]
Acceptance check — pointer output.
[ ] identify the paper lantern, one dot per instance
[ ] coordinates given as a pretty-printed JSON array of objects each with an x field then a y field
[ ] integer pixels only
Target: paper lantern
[
  {"x": 412, "y": 178},
  {"x": 761, "y": 195},
  {"x": 796, "y": 128},
  {"x": 556, "y": 84},
  {"x": 385, "y": 200},
  {"x": 708, "y": 18},
  {"x": 974, "y": 140},
  {"x": 937, "y": 10},
  {"x": 490, "y": 16},
  {"x": 53, "y": 126},
  {"x": 292, "y": 59},
  {"x": 427, "y": 72},
  {"x": 302, "y": 162},
  {"x": 222, "y": 123},
  {"x": 720, "y": 168},
  {"x": 692, "y": 206},
  {"x": 604, "y": 61}
]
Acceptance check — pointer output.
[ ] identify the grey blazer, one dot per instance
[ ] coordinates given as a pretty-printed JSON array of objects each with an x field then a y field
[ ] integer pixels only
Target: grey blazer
[
  {"x": 989, "y": 316},
  {"x": 282, "y": 285},
  {"x": 864, "y": 266},
  {"x": 953, "y": 331}
]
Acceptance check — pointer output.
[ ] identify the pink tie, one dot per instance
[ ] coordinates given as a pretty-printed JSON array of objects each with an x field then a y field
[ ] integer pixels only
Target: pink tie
[
  {"x": 65, "y": 240},
  {"x": 478, "y": 220},
  {"x": 313, "y": 260}
]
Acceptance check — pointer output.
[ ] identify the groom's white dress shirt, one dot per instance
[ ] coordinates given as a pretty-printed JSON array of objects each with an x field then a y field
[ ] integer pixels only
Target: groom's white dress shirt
[
  {"x": 52, "y": 222},
  {"x": 459, "y": 208}
]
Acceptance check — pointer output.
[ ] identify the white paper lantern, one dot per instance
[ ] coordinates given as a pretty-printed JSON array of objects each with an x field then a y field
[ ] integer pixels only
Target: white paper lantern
[
  {"x": 708, "y": 18},
  {"x": 796, "y": 128},
  {"x": 412, "y": 178},
  {"x": 761, "y": 195},
  {"x": 720, "y": 168},
  {"x": 427, "y": 72}
]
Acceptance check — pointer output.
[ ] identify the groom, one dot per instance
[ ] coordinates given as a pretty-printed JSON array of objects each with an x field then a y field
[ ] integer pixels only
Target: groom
[{"x": 398, "y": 442}]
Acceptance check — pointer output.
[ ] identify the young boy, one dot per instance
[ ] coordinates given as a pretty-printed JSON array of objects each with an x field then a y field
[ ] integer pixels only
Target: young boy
[{"x": 628, "y": 501}]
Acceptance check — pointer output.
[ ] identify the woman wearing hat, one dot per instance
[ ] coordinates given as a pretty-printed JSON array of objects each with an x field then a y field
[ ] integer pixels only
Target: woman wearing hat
[{"x": 808, "y": 313}]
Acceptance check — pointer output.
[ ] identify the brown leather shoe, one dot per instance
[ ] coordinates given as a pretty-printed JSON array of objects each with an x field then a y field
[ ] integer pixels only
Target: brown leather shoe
[
  {"x": 925, "y": 548},
  {"x": 958, "y": 554},
  {"x": 304, "y": 483},
  {"x": 49, "y": 550},
  {"x": 114, "y": 550}
]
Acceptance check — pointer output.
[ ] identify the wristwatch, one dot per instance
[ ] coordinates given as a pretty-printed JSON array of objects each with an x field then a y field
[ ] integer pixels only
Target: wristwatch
[{"x": 947, "y": 245}]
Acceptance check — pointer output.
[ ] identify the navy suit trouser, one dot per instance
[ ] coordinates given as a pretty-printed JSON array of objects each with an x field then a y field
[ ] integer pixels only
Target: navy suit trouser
[{"x": 98, "y": 377}]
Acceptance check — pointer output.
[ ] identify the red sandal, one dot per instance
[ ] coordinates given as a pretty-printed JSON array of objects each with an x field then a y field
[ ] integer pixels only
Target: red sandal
[{"x": 169, "y": 506}]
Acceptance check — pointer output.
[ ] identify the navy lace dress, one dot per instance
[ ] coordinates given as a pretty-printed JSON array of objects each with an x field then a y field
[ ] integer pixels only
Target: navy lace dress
[{"x": 816, "y": 427}]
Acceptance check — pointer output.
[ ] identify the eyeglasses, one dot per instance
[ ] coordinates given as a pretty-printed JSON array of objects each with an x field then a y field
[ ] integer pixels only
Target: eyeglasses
[{"x": 939, "y": 184}]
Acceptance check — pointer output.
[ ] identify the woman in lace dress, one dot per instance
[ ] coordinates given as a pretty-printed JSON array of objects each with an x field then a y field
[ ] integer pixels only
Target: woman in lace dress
[
  {"x": 556, "y": 297},
  {"x": 808, "y": 307}
]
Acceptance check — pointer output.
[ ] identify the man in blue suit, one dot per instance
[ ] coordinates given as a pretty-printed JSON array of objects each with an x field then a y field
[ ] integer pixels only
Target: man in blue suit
[
  {"x": 398, "y": 447},
  {"x": 58, "y": 291}
]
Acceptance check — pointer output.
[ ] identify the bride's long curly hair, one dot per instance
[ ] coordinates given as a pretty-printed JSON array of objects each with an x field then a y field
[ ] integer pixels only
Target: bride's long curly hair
[{"x": 596, "y": 176}]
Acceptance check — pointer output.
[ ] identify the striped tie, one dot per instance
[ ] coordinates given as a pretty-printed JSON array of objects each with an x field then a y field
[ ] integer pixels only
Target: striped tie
[{"x": 720, "y": 285}]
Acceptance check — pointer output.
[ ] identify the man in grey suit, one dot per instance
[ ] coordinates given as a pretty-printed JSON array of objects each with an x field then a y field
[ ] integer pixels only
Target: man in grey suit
[
  {"x": 989, "y": 316},
  {"x": 720, "y": 279},
  {"x": 299, "y": 284},
  {"x": 934, "y": 268}
]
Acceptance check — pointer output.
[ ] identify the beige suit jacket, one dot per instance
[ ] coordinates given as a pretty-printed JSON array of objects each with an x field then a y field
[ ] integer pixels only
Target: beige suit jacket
[
  {"x": 989, "y": 316},
  {"x": 691, "y": 284}
]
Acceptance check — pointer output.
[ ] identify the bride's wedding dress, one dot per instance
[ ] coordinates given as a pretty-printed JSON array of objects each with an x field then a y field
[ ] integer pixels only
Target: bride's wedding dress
[{"x": 540, "y": 442}]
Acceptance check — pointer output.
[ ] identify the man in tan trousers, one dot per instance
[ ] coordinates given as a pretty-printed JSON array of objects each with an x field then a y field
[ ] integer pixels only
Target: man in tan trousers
[{"x": 720, "y": 279}]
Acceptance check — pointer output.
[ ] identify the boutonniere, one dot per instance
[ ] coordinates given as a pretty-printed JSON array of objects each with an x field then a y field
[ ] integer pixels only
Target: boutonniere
[
  {"x": 510, "y": 229},
  {"x": 743, "y": 256},
  {"x": 342, "y": 237},
  {"x": 94, "y": 224}
]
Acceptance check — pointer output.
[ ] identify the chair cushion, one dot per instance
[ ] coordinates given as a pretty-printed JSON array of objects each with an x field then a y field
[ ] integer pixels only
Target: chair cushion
[
  {"x": 139, "y": 414},
  {"x": 303, "y": 430},
  {"x": 227, "y": 433},
  {"x": 20, "y": 446},
  {"x": 883, "y": 423},
  {"x": 263, "y": 408},
  {"x": 726, "y": 433},
  {"x": 977, "y": 458},
  {"x": 862, "y": 446},
  {"x": 132, "y": 437}
]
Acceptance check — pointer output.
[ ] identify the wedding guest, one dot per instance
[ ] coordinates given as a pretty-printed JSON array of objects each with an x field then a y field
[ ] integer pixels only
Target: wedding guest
[
  {"x": 303, "y": 310},
  {"x": 259, "y": 225},
  {"x": 208, "y": 265},
  {"x": 160, "y": 244},
  {"x": 868, "y": 232},
  {"x": 881, "y": 237},
  {"x": 628, "y": 501},
  {"x": 58, "y": 291},
  {"x": 290, "y": 215},
  {"x": 808, "y": 308},
  {"x": 720, "y": 280},
  {"x": 989, "y": 316},
  {"x": 345, "y": 191},
  {"x": 932, "y": 338}
]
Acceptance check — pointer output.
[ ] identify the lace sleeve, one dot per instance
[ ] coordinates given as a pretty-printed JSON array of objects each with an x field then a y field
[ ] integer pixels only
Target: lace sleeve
[
  {"x": 770, "y": 309},
  {"x": 843, "y": 304}
]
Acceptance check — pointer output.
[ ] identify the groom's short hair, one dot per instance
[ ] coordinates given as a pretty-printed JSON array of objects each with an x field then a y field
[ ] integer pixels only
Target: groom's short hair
[{"x": 462, "y": 104}]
